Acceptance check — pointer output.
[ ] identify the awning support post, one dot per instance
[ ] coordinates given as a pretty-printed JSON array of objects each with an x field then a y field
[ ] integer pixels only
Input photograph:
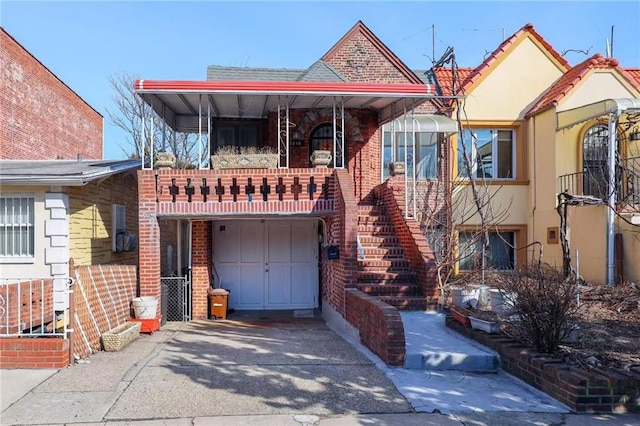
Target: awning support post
[
  {"x": 338, "y": 135},
  {"x": 208, "y": 147},
  {"x": 415, "y": 171},
  {"x": 283, "y": 134},
  {"x": 200, "y": 132},
  {"x": 613, "y": 121}
]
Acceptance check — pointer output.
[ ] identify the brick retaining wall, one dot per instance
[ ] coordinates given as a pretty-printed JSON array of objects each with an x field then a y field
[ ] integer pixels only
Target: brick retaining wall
[
  {"x": 614, "y": 390},
  {"x": 17, "y": 352},
  {"x": 380, "y": 326}
]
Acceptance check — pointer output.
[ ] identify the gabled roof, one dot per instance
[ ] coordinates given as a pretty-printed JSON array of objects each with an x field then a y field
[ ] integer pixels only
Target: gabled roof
[
  {"x": 360, "y": 27},
  {"x": 61, "y": 172},
  {"x": 572, "y": 78},
  {"x": 487, "y": 65}
]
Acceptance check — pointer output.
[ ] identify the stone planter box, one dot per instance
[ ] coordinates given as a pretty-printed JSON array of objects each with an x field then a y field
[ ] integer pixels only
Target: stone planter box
[
  {"x": 486, "y": 326},
  {"x": 244, "y": 161},
  {"x": 119, "y": 337}
]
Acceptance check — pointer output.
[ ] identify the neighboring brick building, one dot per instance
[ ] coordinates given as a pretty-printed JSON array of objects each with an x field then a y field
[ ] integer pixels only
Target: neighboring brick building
[
  {"x": 59, "y": 202},
  {"x": 41, "y": 118}
]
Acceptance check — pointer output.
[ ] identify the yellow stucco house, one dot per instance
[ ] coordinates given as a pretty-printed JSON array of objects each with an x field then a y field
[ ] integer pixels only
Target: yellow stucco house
[{"x": 524, "y": 157}]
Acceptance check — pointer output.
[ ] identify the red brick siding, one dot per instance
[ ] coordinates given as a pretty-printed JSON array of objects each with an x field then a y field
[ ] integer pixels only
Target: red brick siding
[
  {"x": 380, "y": 326},
  {"x": 340, "y": 274},
  {"x": 201, "y": 267},
  {"x": 149, "y": 236},
  {"x": 597, "y": 390},
  {"x": 362, "y": 62},
  {"x": 413, "y": 241},
  {"x": 40, "y": 117},
  {"x": 17, "y": 352}
]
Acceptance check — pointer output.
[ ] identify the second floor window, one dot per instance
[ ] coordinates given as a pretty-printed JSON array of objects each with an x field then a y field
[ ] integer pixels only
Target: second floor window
[
  {"x": 426, "y": 153},
  {"x": 492, "y": 157},
  {"x": 235, "y": 133}
]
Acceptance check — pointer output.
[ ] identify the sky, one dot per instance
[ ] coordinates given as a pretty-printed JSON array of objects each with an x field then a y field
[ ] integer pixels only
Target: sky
[{"x": 84, "y": 43}]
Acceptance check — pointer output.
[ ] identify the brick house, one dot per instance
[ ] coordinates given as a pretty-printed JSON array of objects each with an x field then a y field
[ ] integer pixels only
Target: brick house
[
  {"x": 58, "y": 201},
  {"x": 342, "y": 238}
]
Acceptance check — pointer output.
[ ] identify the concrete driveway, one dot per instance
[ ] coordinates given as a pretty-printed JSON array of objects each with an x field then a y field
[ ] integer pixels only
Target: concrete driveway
[{"x": 250, "y": 366}]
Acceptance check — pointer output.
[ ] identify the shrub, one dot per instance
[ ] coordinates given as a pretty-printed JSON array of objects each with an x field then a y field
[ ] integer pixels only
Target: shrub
[{"x": 544, "y": 306}]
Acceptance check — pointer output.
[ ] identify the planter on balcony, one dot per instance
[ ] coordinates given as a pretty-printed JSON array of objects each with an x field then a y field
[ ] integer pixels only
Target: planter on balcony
[
  {"x": 244, "y": 158},
  {"x": 320, "y": 158}
]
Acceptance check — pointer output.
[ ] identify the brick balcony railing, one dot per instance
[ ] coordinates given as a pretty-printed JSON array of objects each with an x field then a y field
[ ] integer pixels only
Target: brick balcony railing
[{"x": 241, "y": 191}]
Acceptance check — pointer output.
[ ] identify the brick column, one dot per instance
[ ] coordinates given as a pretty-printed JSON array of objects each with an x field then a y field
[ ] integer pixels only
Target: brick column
[
  {"x": 149, "y": 238},
  {"x": 200, "y": 267}
]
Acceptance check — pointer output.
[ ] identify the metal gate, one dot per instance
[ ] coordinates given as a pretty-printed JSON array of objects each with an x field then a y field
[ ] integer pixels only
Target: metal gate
[{"x": 176, "y": 298}]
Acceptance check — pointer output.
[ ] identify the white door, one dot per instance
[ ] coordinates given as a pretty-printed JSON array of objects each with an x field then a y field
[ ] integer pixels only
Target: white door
[{"x": 268, "y": 264}]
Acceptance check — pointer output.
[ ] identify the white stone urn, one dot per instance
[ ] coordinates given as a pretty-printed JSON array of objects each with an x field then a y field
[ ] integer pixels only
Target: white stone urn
[
  {"x": 320, "y": 158},
  {"x": 165, "y": 160},
  {"x": 397, "y": 168}
]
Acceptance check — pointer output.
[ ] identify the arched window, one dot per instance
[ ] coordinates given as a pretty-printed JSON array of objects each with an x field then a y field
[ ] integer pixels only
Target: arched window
[
  {"x": 322, "y": 138},
  {"x": 595, "y": 154}
]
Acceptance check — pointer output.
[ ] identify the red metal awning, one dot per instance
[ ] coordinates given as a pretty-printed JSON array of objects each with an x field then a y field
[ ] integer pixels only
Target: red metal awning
[{"x": 180, "y": 103}]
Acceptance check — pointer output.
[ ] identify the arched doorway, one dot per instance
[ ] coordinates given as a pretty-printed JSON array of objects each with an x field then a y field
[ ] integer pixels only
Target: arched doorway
[{"x": 322, "y": 138}]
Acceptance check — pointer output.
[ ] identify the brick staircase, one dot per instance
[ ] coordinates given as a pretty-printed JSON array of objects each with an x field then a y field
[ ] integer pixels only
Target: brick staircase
[{"x": 384, "y": 272}]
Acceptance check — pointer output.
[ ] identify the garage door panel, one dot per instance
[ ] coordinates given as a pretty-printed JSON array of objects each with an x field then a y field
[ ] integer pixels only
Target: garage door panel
[
  {"x": 279, "y": 246},
  {"x": 278, "y": 289},
  {"x": 301, "y": 245},
  {"x": 251, "y": 286},
  {"x": 227, "y": 240},
  {"x": 230, "y": 276},
  {"x": 252, "y": 242},
  {"x": 301, "y": 290}
]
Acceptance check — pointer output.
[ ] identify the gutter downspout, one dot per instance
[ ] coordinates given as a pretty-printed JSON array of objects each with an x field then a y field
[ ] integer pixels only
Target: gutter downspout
[{"x": 613, "y": 120}]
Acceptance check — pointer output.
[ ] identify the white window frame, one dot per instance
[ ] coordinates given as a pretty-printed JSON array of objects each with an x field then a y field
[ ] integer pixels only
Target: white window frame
[
  {"x": 494, "y": 151},
  {"x": 418, "y": 149},
  {"x": 118, "y": 223},
  {"x": 30, "y": 226}
]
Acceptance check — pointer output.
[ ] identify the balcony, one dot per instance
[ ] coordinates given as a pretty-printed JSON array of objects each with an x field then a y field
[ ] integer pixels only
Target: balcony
[
  {"x": 596, "y": 184},
  {"x": 243, "y": 192}
]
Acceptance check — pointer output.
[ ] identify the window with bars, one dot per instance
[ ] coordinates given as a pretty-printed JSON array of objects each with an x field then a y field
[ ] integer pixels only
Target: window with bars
[{"x": 16, "y": 227}]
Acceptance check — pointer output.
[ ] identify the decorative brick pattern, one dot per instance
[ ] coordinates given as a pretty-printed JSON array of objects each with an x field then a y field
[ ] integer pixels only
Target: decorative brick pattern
[
  {"x": 17, "y": 352},
  {"x": 380, "y": 326},
  {"x": 41, "y": 118},
  {"x": 597, "y": 390}
]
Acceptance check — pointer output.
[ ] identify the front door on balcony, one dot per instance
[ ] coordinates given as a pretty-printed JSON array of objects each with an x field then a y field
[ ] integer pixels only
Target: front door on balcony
[{"x": 268, "y": 263}]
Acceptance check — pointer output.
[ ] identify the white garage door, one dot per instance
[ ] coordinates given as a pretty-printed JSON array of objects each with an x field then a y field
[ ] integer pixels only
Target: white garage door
[{"x": 268, "y": 264}]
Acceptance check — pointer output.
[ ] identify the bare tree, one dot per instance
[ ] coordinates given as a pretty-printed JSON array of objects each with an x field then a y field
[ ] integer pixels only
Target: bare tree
[{"x": 131, "y": 112}]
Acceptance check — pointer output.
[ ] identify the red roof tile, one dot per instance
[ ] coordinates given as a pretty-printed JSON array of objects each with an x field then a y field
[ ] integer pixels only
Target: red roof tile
[
  {"x": 572, "y": 77},
  {"x": 445, "y": 78},
  {"x": 634, "y": 74}
]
